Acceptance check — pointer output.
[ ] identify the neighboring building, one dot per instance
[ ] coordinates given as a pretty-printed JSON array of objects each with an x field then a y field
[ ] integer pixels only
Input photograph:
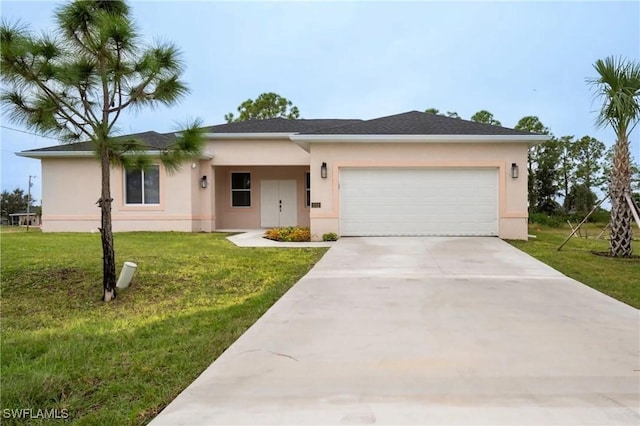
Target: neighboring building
[
  {"x": 407, "y": 174},
  {"x": 24, "y": 219}
]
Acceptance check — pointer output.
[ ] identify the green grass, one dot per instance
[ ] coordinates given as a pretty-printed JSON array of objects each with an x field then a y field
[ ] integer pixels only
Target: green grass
[
  {"x": 619, "y": 278},
  {"x": 122, "y": 362},
  {"x": 5, "y": 229},
  {"x": 192, "y": 296}
]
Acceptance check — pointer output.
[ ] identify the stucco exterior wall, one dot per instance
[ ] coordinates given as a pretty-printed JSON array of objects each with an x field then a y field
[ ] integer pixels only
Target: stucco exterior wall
[
  {"x": 205, "y": 203},
  {"x": 276, "y": 152},
  {"x": 175, "y": 211},
  {"x": 512, "y": 197},
  {"x": 71, "y": 187}
]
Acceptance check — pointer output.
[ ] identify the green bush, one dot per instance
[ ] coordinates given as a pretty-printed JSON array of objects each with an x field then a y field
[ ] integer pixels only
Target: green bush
[
  {"x": 299, "y": 235},
  {"x": 273, "y": 234},
  {"x": 559, "y": 220},
  {"x": 296, "y": 234},
  {"x": 553, "y": 221},
  {"x": 330, "y": 236},
  {"x": 600, "y": 216}
]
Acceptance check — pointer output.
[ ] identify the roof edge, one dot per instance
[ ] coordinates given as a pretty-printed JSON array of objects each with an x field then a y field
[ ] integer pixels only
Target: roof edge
[
  {"x": 249, "y": 135},
  {"x": 88, "y": 154},
  {"x": 50, "y": 154},
  {"x": 305, "y": 140}
]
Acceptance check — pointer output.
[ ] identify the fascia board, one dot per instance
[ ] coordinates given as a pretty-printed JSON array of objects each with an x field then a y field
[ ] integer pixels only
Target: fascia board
[
  {"x": 86, "y": 154},
  {"x": 248, "y": 135},
  {"x": 55, "y": 154},
  {"x": 305, "y": 140}
]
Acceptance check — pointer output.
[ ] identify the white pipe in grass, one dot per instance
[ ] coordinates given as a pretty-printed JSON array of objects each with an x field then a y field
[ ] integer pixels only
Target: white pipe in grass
[{"x": 126, "y": 274}]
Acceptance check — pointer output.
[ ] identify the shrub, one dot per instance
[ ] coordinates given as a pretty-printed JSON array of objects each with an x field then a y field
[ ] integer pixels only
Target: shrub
[
  {"x": 330, "y": 236},
  {"x": 552, "y": 221},
  {"x": 299, "y": 235},
  {"x": 600, "y": 216},
  {"x": 289, "y": 234},
  {"x": 559, "y": 219},
  {"x": 273, "y": 234}
]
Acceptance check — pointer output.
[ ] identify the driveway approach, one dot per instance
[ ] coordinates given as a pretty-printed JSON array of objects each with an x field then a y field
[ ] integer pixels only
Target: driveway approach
[{"x": 427, "y": 331}]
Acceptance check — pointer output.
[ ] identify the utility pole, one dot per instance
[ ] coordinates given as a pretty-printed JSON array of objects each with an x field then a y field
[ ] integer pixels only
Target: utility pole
[{"x": 29, "y": 203}]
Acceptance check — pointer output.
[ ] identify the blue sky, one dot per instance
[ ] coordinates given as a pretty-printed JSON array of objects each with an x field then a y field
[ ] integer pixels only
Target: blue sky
[{"x": 370, "y": 59}]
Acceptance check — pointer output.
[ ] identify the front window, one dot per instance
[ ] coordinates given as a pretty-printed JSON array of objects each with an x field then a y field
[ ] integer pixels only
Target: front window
[
  {"x": 143, "y": 186},
  {"x": 241, "y": 189}
]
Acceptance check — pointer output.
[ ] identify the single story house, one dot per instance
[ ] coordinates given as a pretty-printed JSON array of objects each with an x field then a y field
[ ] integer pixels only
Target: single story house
[
  {"x": 407, "y": 174},
  {"x": 24, "y": 219}
]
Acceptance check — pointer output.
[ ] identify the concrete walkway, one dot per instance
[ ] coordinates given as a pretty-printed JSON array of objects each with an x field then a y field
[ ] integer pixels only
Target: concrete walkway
[
  {"x": 255, "y": 238},
  {"x": 427, "y": 331}
]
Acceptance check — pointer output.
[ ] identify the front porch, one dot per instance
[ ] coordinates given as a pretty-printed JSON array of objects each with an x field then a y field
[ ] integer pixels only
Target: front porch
[{"x": 253, "y": 197}]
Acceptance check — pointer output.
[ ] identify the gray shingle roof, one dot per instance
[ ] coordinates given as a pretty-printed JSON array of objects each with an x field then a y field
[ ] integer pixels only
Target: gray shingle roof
[
  {"x": 152, "y": 140},
  {"x": 416, "y": 123},
  {"x": 278, "y": 125},
  {"x": 155, "y": 140},
  {"x": 408, "y": 123}
]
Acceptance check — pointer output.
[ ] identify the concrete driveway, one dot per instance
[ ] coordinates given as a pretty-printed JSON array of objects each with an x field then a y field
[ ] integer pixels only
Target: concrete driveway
[{"x": 427, "y": 331}]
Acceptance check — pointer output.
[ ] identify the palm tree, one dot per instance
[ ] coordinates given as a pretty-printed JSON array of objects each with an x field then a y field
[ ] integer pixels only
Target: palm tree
[
  {"x": 618, "y": 87},
  {"x": 76, "y": 83}
]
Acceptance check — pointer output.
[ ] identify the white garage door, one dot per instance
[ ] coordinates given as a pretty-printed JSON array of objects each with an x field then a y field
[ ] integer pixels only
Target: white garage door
[{"x": 390, "y": 201}]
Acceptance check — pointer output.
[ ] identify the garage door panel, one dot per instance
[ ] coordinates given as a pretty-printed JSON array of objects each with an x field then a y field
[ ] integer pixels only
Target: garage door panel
[{"x": 418, "y": 202}]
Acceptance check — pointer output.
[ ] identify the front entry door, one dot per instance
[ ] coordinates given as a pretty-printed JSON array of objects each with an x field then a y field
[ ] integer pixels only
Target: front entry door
[{"x": 278, "y": 203}]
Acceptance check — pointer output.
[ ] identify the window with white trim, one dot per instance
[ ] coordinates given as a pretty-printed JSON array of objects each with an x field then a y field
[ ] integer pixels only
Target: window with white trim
[
  {"x": 241, "y": 189},
  {"x": 308, "y": 188},
  {"x": 142, "y": 186}
]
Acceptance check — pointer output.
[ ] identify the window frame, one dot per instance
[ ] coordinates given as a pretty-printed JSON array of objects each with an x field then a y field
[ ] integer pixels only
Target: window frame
[
  {"x": 232, "y": 190},
  {"x": 142, "y": 203}
]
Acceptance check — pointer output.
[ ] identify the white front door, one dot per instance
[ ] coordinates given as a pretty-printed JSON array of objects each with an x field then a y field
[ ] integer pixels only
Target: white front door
[{"x": 278, "y": 203}]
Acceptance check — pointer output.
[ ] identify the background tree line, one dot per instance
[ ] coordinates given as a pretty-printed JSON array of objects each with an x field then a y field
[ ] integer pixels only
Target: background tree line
[
  {"x": 567, "y": 175},
  {"x": 16, "y": 202}
]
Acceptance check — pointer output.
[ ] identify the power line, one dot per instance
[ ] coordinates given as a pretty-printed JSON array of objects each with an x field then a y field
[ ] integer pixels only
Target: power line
[{"x": 30, "y": 133}]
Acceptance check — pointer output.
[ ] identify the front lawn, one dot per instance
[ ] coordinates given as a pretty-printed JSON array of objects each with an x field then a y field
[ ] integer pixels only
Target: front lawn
[
  {"x": 619, "y": 278},
  {"x": 122, "y": 362}
]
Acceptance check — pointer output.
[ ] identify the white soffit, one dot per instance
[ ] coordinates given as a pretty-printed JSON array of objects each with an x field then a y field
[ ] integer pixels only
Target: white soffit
[
  {"x": 56, "y": 154},
  {"x": 85, "y": 154},
  {"x": 305, "y": 140},
  {"x": 248, "y": 135}
]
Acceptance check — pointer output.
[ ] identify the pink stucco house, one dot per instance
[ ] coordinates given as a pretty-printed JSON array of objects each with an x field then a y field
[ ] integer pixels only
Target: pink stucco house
[{"x": 407, "y": 174}]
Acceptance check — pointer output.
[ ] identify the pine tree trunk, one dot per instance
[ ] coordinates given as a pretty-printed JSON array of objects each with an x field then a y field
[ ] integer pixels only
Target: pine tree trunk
[
  {"x": 108, "y": 253},
  {"x": 620, "y": 242}
]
